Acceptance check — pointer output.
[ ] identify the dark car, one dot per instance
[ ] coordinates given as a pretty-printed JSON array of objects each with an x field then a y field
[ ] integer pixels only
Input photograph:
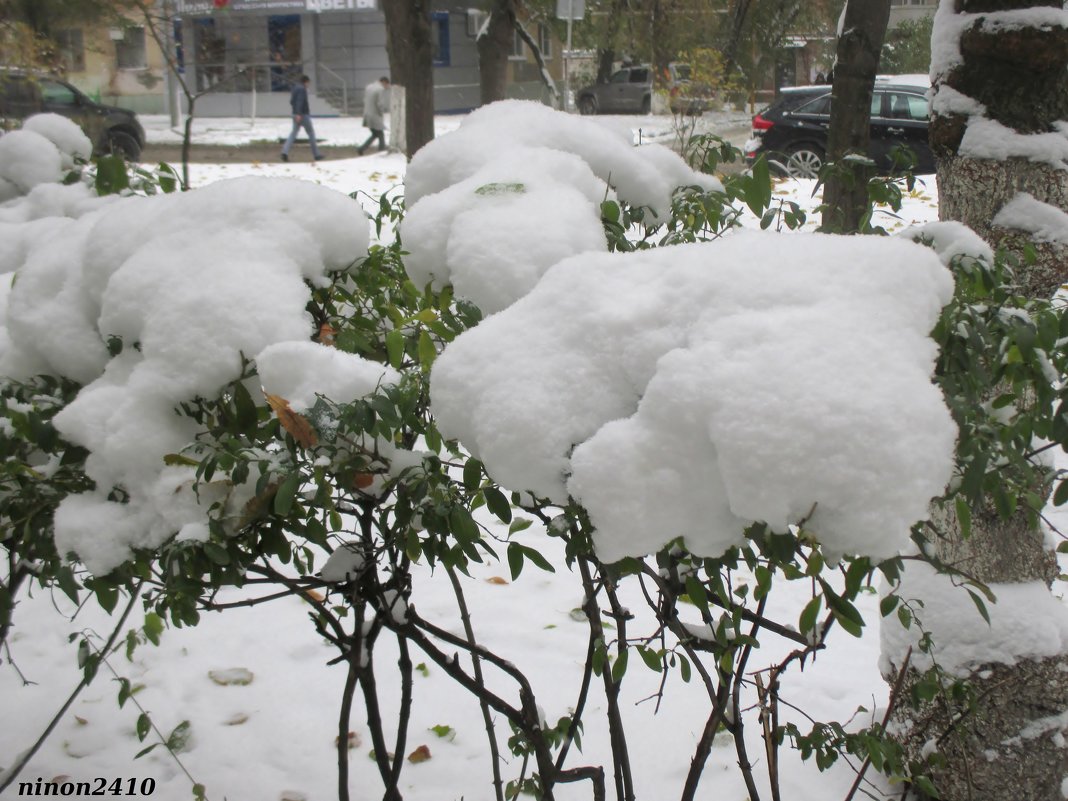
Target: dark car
[
  {"x": 792, "y": 131},
  {"x": 109, "y": 128}
]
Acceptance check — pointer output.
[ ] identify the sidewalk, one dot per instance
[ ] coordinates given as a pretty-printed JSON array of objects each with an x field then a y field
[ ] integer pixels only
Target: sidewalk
[{"x": 349, "y": 131}]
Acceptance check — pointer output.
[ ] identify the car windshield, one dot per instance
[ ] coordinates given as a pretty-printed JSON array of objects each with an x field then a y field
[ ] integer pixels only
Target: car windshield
[
  {"x": 620, "y": 77},
  {"x": 682, "y": 72}
]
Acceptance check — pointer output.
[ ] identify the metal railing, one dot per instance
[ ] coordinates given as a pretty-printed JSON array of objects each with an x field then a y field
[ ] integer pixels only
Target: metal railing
[{"x": 344, "y": 86}]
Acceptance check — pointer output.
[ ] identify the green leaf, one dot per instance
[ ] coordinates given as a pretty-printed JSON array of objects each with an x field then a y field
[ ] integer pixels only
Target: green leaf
[
  {"x": 610, "y": 211},
  {"x": 247, "y": 414},
  {"x": 427, "y": 351},
  {"x": 287, "y": 491},
  {"x": 148, "y": 750},
  {"x": 111, "y": 177},
  {"x": 536, "y": 557},
  {"x": 144, "y": 726},
  {"x": 696, "y": 591},
  {"x": 888, "y": 604},
  {"x": 619, "y": 667},
  {"x": 178, "y": 739},
  {"x": 395, "y": 348},
  {"x": 153, "y": 627},
  {"x": 498, "y": 504},
  {"x": 980, "y": 605},
  {"x": 501, "y": 189},
  {"x": 964, "y": 517},
  {"x": 216, "y": 553},
  {"x": 444, "y": 731},
  {"x": 651, "y": 658},
  {"x": 462, "y": 525},
  {"x": 472, "y": 474},
  {"x": 1060, "y": 497},
  {"x": 515, "y": 559},
  {"x": 810, "y": 614},
  {"x": 520, "y": 524}
]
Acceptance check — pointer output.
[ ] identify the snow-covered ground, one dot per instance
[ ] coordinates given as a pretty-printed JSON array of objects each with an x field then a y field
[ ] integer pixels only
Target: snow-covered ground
[{"x": 273, "y": 737}]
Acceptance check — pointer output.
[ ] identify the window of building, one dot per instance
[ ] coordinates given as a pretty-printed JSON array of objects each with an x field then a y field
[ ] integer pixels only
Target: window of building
[
  {"x": 71, "y": 49},
  {"x": 130, "y": 49},
  {"x": 439, "y": 37},
  {"x": 519, "y": 47},
  {"x": 475, "y": 20},
  {"x": 545, "y": 40}
]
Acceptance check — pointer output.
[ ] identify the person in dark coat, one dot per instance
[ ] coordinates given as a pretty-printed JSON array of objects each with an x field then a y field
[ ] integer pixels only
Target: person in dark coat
[{"x": 298, "y": 101}]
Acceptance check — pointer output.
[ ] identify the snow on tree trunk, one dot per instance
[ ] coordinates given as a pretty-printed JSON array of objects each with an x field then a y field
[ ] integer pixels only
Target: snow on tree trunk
[
  {"x": 408, "y": 41},
  {"x": 997, "y": 129},
  {"x": 860, "y": 42}
]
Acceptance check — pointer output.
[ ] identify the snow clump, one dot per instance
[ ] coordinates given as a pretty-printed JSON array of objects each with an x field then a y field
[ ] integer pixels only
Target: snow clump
[
  {"x": 1026, "y": 622},
  {"x": 517, "y": 188},
  {"x": 155, "y": 301},
  {"x": 42, "y": 152},
  {"x": 688, "y": 391}
]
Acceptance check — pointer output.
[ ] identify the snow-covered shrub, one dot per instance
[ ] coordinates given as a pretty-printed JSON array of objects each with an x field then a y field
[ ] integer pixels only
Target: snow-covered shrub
[{"x": 245, "y": 385}]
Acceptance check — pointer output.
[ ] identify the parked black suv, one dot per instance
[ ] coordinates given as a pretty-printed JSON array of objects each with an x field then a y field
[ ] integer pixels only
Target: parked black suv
[
  {"x": 111, "y": 129},
  {"x": 792, "y": 131}
]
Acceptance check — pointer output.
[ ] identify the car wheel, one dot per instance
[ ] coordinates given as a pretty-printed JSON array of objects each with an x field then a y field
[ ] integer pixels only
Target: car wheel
[
  {"x": 804, "y": 161},
  {"x": 647, "y": 105},
  {"x": 123, "y": 144},
  {"x": 587, "y": 105}
]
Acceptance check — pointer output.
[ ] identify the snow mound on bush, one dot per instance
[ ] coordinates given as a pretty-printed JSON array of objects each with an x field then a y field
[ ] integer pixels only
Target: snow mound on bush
[
  {"x": 516, "y": 189},
  {"x": 187, "y": 287},
  {"x": 687, "y": 391},
  {"x": 643, "y": 176},
  {"x": 69, "y": 139},
  {"x": 494, "y": 234}
]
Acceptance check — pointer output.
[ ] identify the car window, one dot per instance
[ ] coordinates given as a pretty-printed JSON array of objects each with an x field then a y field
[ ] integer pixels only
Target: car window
[
  {"x": 904, "y": 106},
  {"x": 682, "y": 72},
  {"x": 57, "y": 94},
  {"x": 620, "y": 77},
  {"x": 821, "y": 105},
  {"x": 877, "y": 99},
  {"x": 639, "y": 76}
]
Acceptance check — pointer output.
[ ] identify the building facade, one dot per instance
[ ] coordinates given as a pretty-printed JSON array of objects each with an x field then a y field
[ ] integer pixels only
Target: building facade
[
  {"x": 901, "y": 10},
  {"x": 240, "y": 57}
]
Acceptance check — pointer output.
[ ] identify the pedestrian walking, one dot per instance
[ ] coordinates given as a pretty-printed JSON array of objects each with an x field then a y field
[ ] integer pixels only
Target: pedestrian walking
[
  {"x": 298, "y": 101},
  {"x": 375, "y": 105}
]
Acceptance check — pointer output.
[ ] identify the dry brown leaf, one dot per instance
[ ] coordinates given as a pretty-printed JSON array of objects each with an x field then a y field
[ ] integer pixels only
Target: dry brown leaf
[
  {"x": 327, "y": 335},
  {"x": 420, "y": 754},
  {"x": 315, "y": 595},
  {"x": 363, "y": 480},
  {"x": 354, "y": 740},
  {"x": 236, "y": 719},
  {"x": 496, "y": 580},
  {"x": 296, "y": 424}
]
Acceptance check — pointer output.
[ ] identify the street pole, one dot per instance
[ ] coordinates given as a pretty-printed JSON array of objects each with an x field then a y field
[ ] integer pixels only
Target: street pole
[
  {"x": 170, "y": 64},
  {"x": 567, "y": 56}
]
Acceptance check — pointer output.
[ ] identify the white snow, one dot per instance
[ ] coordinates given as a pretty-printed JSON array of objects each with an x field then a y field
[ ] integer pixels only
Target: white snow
[
  {"x": 1044, "y": 222},
  {"x": 68, "y": 138},
  {"x": 298, "y": 370},
  {"x": 189, "y": 284},
  {"x": 344, "y": 564},
  {"x": 278, "y": 732},
  {"x": 489, "y": 235},
  {"x": 985, "y": 138},
  {"x": 1026, "y": 622},
  {"x": 685, "y": 391},
  {"x": 644, "y": 176}
]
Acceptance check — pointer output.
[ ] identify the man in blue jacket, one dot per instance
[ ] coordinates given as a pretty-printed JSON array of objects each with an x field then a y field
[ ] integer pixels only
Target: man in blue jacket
[{"x": 298, "y": 101}]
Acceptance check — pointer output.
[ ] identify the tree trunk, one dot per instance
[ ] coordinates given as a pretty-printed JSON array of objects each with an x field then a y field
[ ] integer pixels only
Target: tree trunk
[
  {"x": 845, "y": 195},
  {"x": 411, "y": 64},
  {"x": 494, "y": 47},
  {"x": 1005, "y": 748}
]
